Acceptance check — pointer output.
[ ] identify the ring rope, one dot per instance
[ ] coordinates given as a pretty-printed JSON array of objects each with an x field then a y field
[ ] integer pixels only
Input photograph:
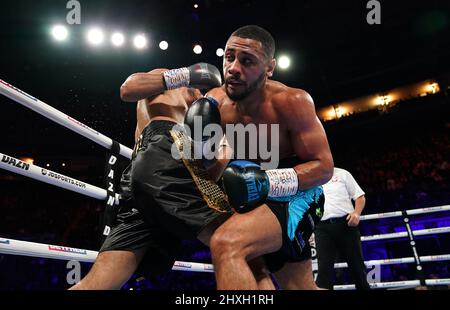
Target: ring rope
[
  {"x": 396, "y": 284},
  {"x": 25, "y": 248},
  {"x": 50, "y": 177},
  {"x": 408, "y": 212},
  {"x": 41, "y": 250},
  {"x": 59, "y": 117}
]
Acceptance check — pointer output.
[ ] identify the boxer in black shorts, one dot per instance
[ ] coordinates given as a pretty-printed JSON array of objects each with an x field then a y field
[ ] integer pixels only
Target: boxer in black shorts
[{"x": 160, "y": 204}]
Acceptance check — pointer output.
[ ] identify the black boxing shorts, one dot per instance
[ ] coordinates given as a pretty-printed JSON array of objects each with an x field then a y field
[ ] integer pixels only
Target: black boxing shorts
[
  {"x": 162, "y": 204},
  {"x": 131, "y": 232},
  {"x": 164, "y": 189}
]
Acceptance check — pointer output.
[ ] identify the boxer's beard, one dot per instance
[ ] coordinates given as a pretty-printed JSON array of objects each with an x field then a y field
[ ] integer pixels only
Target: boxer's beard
[{"x": 236, "y": 96}]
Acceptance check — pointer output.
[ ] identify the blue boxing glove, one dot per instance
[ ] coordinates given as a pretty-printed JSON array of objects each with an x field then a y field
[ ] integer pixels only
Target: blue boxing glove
[
  {"x": 245, "y": 185},
  {"x": 248, "y": 186}
]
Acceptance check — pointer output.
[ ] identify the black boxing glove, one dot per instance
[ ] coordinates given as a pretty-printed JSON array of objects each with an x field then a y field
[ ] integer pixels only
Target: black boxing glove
[
  {"x": 201, "y": 113},
  {"x": 200, "y": 75}
]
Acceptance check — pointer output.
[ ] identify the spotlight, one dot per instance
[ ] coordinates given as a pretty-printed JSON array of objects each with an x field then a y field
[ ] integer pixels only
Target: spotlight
[
  {"x": 197, "y": 49},
  {"x": 140, "y": 41},
  {"x": 60, "y": 33},
  {"x": 284, "y": 62},
  {"x": 219, "y": 52},
  {"x": 196, "y": 6},
  {"x": 163, "y": 45},
  {"x": 117, "y": 39},
  {"x": 95, "y": 36}
]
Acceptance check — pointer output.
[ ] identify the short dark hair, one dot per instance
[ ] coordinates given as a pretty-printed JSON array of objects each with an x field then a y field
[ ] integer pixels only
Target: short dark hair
[{"x": 259, "y": 34}]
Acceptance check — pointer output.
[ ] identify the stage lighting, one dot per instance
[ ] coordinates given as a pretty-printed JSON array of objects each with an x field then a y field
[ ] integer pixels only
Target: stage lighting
[
  {"x": 117, "y": 39},
  {"x": 60, "y": 33},
  {"x": 197, "y": 49},
  {"x": 95, "y": 36},
  {"x": 219, "y": 52},
  {"x": 140, "y": 41},
  {"x": 284, "y": 62},
  {"x": 163, "y": 45}
]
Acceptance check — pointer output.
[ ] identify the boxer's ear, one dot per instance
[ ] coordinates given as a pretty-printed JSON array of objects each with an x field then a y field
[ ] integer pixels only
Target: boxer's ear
[{"x": 271, "y": 67}]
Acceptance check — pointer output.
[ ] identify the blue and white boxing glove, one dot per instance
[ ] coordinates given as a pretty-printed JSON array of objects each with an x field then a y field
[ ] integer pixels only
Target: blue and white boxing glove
[{"x": 248, "y": 186}]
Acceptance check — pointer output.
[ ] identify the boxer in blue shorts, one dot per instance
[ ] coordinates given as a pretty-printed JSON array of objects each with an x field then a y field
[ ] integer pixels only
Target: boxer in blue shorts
[{"x": 277, "y": 208}]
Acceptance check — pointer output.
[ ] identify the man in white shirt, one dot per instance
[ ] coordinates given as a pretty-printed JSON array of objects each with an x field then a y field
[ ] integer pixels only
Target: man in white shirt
[{"x": 338, "y": 230}]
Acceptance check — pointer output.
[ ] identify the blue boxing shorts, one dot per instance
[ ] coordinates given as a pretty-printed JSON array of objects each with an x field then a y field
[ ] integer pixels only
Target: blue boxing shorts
[{"x": 298, "y": 215}]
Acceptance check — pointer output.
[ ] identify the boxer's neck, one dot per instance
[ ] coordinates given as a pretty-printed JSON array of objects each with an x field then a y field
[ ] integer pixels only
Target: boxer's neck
[{"x": 251, "y": 104}]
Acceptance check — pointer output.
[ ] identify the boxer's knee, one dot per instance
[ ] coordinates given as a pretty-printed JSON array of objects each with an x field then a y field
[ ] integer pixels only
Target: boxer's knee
[{"x": 227, "y": 244}]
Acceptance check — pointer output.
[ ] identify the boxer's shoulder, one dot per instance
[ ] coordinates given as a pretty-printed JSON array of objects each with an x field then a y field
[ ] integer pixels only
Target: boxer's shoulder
[
  {"x": 217, "y": 92},
  {"x": 283, "y": 94},
  {"x": 220, "y": 96},
  {"x": 288, "y": 100}
]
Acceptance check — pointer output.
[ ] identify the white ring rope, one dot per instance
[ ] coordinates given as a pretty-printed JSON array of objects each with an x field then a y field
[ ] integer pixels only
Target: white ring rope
[
  {"x": 422, "y": 232},
  {"x": 50, "y": 177},
  {"x": 404, "y": 284},
  {"x": 59, "y": 117},
  {"x": 25, "y": 248},
  {"x": 408, "y": 212},
  {"x": 403, "y": 260},
  {"x": 33, "y": 249}
]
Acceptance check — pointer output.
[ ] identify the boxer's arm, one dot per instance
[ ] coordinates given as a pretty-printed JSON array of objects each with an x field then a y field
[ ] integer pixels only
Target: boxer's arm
[
  {"x": 142, "y": 85},
  {"x": 308, "y": 139}
]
